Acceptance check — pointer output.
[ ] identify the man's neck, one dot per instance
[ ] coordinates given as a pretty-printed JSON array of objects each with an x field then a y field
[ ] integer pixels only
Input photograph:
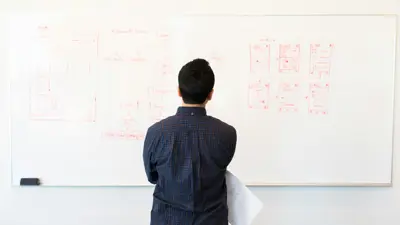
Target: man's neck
[{"x": 194, "y": 105}]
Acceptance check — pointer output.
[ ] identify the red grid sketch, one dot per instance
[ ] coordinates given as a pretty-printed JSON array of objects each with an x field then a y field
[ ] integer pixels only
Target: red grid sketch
[
  {"x": 160, "y": 102},
  {"x": 320, "y": 61},
  {"x": 59, "y": 99},
  {"x": 63, "y": 87},
  {"x": 258, "y": 95},
  {"x": 289, "y": 97},
  {"x": 44, "y": 104},
  {"x": 289, "y": 58},
  {"x": 164, "y": 60},
  {"x": 125, "y": 45},
  {"x": 260, "y": 58},
  {"x": 318, "y": 98},
  {"x": 130, "y": 118}
]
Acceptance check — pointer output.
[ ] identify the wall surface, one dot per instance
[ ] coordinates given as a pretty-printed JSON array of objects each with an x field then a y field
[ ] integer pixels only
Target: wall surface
[{"x": 123, "y": 206}]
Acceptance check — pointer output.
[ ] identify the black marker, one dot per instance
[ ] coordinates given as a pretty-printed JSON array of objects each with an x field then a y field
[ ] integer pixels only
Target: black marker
[{"x": 29, "y": 182}]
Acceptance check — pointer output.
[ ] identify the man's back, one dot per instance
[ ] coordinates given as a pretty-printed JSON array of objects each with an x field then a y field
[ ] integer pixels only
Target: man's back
[{"x": 186, "y": 156}]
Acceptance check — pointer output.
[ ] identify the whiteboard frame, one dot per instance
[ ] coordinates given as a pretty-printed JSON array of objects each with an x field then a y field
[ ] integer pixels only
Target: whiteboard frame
[{"x": 394, "y": 92}]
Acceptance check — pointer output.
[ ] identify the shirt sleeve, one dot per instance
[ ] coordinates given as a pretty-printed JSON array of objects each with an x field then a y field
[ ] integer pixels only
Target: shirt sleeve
[
  {"x": 150, "y": 145},
  {"x": 232, "y": 140},
  {"x": 227, "y": 148}
]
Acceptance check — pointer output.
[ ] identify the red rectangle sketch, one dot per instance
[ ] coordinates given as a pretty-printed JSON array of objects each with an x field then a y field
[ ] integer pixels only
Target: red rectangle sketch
[
  {"x": 260, "y": 58},
  {"x": 44, "y": 103},
  {"x": 258, "y": 95},
  {"x": 130, "y": 121},
  {"x": 289, "y": 58},
  {"x": 62, "y": 98},
  {"x": 66, "y": 43},
  {"x": 164, "y": 60},
  {"x": 289, "y": 97},
  {"x": 62, "y": 88},
  {"x": 60, "y": 48},
  {"x": 320, "y": 61},
  {"x": 125, "y": 45},
  {"x": 47, "y": 42},
  {"x": 162, "y": 101},
  {"x": 318, "y": 98}
]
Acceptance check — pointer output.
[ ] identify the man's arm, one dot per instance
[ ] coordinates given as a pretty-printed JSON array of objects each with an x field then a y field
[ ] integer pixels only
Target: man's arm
[
  {"x": 150, "y": 146},
  {"x": 227, "y": 147},
  {"x": 232, "y": 140}
]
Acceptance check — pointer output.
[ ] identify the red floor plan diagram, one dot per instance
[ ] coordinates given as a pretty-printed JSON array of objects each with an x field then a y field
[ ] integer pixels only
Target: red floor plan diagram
[
  {"x": 320, "y": 61},
  {"x": 62, "y": 85},
  {"x": 163, "y": 102},
  {"x": 318, "y": 98},
  {"x": 289, "y": 97},
  {"x": 289, "y": 58},
  {"x": 164, "y": 59},
  {"x": 130, "y": 121},
  {"x": 125, "y": 45},
  {"x": 260, "y": 58},
  {"x": 258, "y": 95}
]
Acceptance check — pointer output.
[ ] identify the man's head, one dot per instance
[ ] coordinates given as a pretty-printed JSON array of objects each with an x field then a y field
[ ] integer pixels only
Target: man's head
[{"x": 196, "y": 82}]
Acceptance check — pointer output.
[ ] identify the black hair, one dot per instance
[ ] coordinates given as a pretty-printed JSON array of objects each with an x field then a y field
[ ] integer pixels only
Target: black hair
[{"x": 196, "y": 81}]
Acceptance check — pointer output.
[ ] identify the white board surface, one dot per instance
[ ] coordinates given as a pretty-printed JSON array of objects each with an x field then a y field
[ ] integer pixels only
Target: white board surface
[{"x": 311, "y": 97}]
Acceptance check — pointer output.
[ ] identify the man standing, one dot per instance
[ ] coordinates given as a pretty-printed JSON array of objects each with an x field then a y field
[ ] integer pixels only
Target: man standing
[{"x": 186, "y": 156}]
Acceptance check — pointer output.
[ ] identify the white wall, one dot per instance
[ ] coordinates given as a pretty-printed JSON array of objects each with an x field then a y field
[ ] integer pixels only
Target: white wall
[{"x": 123, "y": 206}]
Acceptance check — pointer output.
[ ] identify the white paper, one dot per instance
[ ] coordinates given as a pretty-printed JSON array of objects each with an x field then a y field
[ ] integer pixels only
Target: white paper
[{"x": 242, "y": 203}]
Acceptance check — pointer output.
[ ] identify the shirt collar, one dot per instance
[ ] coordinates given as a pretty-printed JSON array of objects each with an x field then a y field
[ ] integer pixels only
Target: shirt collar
[{"x": 191, "y": 111}]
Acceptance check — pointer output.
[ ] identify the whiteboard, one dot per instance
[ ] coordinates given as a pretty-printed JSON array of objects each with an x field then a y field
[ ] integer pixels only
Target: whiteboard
[{"x": 311, "y": 97}]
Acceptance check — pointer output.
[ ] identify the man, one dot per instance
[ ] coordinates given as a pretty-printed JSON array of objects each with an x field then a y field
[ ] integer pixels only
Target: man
[{"x": 186, "y": 156}]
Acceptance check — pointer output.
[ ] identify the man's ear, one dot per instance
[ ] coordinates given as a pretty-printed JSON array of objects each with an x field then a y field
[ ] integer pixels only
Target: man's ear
[
  {"x": 209, "y": 97},
  {"x": 179, "y": 92}
]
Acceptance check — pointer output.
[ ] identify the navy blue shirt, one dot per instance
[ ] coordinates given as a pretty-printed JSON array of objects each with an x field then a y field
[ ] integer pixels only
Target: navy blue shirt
[{"x": 186, "y": 156}]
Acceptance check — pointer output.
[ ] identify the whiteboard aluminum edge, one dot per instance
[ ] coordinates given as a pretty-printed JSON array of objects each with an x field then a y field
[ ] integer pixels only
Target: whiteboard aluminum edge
[
  {"x": 395, "y": 92},
  {"x": 9, "y": 98}
]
